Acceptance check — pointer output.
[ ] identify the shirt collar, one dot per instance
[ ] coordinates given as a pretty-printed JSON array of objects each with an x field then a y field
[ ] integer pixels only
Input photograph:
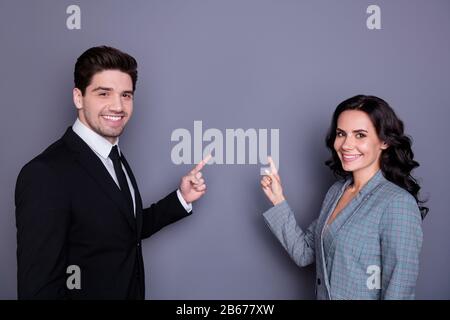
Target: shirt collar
[{"x": 95, "y": 141}]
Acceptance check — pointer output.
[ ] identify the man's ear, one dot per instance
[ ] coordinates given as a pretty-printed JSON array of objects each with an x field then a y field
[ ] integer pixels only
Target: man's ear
[{"x": 77, "y": 98}]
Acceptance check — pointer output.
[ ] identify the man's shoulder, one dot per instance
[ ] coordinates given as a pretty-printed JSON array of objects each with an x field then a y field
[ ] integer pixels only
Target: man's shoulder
[
  {"x": 55, "y": 156},
  {"x": 45, "y": 173}
]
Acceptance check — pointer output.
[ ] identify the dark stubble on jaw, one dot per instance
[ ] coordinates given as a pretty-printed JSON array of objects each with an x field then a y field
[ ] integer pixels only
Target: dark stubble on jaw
[{"x": 109, "y": 133}]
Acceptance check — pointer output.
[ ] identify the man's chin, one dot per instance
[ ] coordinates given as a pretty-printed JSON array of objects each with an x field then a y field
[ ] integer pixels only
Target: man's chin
[{"x": 111, "y": 134}]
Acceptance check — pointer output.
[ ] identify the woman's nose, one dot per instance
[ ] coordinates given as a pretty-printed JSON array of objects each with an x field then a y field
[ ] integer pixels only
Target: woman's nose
[{"x": 348, "y": 143}]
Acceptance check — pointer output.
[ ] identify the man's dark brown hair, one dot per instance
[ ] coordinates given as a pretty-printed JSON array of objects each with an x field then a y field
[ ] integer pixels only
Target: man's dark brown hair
[{"x": 102, "y": 58}]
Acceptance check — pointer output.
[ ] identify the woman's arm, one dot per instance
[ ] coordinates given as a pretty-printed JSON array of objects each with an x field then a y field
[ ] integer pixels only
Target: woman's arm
[
  {"x": 281, "y": 221},
  {"x": 401, "y": 242},
  {"x": 298, "y": 243}
]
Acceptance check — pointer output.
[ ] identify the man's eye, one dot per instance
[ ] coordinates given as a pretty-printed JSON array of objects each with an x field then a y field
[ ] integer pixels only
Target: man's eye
[{"x": 103, "y": 94}]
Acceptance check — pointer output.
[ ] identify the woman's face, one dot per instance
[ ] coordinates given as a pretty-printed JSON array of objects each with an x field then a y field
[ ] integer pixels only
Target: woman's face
[{"x": 357, "y": 143}]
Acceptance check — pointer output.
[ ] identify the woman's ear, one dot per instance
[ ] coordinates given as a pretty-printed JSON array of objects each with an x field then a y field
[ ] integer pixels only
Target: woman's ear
[{"x": 384, "y": 145}]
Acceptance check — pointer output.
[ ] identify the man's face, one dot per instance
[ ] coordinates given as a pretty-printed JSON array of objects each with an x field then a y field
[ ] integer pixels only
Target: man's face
[{"x": 107, "y": 104}]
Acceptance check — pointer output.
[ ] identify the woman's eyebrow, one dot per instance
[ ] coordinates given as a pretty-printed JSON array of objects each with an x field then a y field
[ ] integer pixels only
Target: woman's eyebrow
[{"x": 357, "y": 130}]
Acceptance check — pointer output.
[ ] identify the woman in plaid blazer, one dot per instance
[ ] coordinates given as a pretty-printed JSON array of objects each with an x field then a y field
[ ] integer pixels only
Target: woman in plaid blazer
[{"x": 367, "y": 239}]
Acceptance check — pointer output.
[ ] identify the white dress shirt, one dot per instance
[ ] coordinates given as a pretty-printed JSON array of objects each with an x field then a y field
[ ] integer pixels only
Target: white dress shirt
[{"x": 102, "y": 149}]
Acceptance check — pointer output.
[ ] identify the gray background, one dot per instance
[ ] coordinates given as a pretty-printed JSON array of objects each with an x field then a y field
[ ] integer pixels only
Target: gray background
[{"x": 232, "y": 64}]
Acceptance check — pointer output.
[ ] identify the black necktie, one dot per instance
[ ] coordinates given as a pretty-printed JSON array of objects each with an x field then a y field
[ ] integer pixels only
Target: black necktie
[{"x": 114, "y": 156}]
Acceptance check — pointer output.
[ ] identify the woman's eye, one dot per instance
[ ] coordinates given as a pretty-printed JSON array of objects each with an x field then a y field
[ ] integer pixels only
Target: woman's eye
[
  {"x": 339, "y": 134},
  {"x": 360, "y": 135}
]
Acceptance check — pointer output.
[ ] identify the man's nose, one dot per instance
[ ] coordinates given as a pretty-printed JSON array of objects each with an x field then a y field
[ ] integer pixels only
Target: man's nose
[{"x": 117, "y": 104}]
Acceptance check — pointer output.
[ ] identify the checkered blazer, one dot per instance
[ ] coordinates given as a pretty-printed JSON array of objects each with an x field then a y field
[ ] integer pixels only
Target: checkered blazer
[{"x": 370, "y": 251}]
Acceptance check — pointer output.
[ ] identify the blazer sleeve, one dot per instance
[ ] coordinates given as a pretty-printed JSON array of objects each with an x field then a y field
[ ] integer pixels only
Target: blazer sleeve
[
  {"x": 166, "y": 211},
  {"x": 401, "y": 242},
  {"x": 42, "y": 219},
  {"x": 298, "y": 243}
]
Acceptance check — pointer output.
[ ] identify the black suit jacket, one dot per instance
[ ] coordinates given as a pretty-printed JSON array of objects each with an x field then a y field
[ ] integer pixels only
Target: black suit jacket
[{"x": 69, "y": 211}]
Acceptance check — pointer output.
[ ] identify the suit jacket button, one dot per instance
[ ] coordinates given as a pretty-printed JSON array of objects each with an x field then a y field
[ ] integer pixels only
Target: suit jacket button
[
  {"x": 318, "y": 281},
  {"x": 138, "y": 244}
]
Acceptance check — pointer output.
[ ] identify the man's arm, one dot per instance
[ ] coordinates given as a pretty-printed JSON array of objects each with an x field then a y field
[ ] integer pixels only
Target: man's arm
[
  {"x": 171, "y": 208},
  {"x": 160, "y": 214},
  {"x": 42, "y": 220}
]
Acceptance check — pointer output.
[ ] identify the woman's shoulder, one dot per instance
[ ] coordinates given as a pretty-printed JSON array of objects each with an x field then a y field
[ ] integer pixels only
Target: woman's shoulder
[
  {"x": 392, "y": 193},
  {"x": 335, "y": 188},
  {"x": 338, "y": 184},
  {"x": 399, "y": 203}
]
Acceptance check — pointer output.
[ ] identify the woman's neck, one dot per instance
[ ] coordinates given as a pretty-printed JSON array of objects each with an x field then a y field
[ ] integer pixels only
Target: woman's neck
[{"x": 361, "y": 177}]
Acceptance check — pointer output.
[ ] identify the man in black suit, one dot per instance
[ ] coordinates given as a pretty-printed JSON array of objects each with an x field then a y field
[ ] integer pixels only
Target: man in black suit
[{"x": 78, "y": 207}]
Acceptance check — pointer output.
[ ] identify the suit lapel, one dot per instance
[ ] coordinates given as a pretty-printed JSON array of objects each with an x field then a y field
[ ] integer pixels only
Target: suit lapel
[{"x": 93, "y": 165}]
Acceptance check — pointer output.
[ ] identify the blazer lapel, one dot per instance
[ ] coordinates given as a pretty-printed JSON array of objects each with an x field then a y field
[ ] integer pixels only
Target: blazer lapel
[
  {"x": 323, "y": 220},
  {"x": 353, "y": 206},
  {"x": 93, "y": 165}
]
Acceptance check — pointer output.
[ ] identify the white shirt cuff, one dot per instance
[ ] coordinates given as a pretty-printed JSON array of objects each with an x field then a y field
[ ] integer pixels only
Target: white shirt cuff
[{"x": 186, "y": 206}]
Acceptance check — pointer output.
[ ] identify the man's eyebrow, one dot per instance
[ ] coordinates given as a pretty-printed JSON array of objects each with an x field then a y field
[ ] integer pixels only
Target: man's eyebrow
[
  {"x": 102, "y": 88},
  {"x": 128, "y": 91}
]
